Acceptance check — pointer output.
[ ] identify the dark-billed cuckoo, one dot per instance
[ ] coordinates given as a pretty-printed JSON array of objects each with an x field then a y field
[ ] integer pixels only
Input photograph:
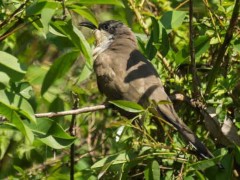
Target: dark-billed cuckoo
[{"x": 123, "y": 73}]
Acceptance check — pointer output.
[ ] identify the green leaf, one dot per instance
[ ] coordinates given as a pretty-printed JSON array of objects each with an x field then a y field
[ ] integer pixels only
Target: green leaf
[
  {"x": 204, "y": 164},
  {"x": 17, "y": 103},
  {"x": 128, "y": 106},
  {"x": 113, "y": 159},
  {"x": 164, "y": 43},
  {"x": 11, "y": 67},
  {"x": 202, "y": 44},
  {"x": 236, "y": 45},
  {"x": 37, "y": 7},
  {"x": 151, "y": 50},
  {"x": 227, "y": 162},
  {"x": 59, "y": 68},
  {"x": 152, "y": 171},
  {"x": 46, "y": 127},
  {"x": 155, "y": 170},
  {"x": 182, "y": 56},
  {"x": 51, "y": 133},
  {"x": 86, "y": 72},
  {"x": 55, "y": 143},
  {"x": 46, "y": 16},
  {"x": 173, "y": 19},
  {"x": 13, "y": 116},
  {"x": 25, "y": 89},
  {"x": 85, "y": 12},
  {"x": 113, "y": 2},
  {"x": 158, "y": 40},
  {"x": 76, "y": 37},
  {"x": 4, "y": 80},
  {"x": 237, "y": 152}
]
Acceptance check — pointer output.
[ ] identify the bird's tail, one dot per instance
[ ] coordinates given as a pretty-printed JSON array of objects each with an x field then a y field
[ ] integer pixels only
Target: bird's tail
[
  {"x": 172, "y": 118},
  {"x": 169, "y": 114}
]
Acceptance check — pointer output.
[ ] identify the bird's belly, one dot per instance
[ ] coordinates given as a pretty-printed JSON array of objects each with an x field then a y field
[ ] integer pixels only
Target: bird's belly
[{"x": 106, "y": 80}]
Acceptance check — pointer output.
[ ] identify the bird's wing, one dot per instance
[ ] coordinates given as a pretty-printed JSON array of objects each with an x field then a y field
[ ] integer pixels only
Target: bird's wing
[{"x": 144, "y": 85}]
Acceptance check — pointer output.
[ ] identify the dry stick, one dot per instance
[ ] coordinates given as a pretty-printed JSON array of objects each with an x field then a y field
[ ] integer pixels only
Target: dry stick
[
  {"x": 228, "y": 36},
  {"x": 181, "y": 4},
  {"x": 196, "y": 83},
  {"x": 71, "y": 112}
]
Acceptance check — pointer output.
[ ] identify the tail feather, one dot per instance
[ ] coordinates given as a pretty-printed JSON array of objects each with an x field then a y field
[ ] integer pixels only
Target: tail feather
[{"x": 188, "y": 135}]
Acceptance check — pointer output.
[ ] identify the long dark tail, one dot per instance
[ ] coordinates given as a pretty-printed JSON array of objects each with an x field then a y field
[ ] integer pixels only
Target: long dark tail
[{"x": 171, "y": 116}]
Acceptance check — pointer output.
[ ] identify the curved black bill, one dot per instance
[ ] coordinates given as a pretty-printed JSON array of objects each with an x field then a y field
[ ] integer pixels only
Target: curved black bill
[{"x": 88, "y": 24}]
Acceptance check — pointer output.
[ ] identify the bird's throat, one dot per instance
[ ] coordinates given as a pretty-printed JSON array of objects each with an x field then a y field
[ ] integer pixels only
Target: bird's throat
[{"x": 102, "y": 46}]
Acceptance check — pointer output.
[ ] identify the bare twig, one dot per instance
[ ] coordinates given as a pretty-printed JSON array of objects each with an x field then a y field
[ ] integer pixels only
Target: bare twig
[
  {"x": 221, "y": 53},
  {"x": 181, "y": 4},
  {"x": 211, "y": 122},
  {"x": 166, "y": 64},
  {"x": 71, "y": 112},
  {"x": 211, "y": 16},
  {"x": 139, "y": 16},
  {"x": 16, "y": 26},
  {"x": 195, "y": 83}
]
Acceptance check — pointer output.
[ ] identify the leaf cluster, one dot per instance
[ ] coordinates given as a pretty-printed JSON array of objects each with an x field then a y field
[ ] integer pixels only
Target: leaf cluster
[{"x": 46, "y": 66}]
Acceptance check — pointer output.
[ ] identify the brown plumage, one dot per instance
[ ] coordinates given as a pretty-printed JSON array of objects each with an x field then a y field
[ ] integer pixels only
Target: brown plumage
[{"x": 123, "y": 73}]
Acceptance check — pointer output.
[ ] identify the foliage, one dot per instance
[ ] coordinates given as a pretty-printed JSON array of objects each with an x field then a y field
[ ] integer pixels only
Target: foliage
[{"x": 45, "y": 61}]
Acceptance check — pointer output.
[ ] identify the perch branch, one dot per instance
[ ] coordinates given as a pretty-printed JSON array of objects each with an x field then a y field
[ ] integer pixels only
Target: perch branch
[{"x": 71, "y": 112}]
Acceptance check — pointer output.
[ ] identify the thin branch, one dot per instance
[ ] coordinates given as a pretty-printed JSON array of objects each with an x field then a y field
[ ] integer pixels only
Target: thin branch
[
  {"x": 139, "y": 16},
  {"x": 15, "y": 13},
  {"x": 166, "y": 64},
  {"x": 181, "y": 4},
  {"x": 211, "y": 123},
  {"x": 18, "y": 25},
  {"x": 73, "y": 133},
  {"x": 211, "y": 16},
  {"x": 195, "y": 83},
  {"x": 221, "y": 53},
  {"x": 71, "y": 112}
]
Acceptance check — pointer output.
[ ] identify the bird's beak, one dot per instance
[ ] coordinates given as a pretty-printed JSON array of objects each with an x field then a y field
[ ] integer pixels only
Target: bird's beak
[{"x": 88, "y": 24}]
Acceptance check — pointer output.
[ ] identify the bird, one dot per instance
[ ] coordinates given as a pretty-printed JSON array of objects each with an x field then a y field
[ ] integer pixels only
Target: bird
[{"x": 124, "y": 73}]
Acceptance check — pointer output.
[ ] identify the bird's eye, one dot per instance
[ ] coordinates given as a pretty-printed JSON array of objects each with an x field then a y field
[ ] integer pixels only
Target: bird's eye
[{"x": 105, "y": 27}]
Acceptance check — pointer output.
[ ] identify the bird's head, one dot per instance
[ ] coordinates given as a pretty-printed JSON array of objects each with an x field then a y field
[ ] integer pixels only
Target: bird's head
[{"x": 109, "y": 31}]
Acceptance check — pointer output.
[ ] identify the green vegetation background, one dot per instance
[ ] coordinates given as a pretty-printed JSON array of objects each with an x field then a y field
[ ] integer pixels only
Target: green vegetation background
[{"x": 46, "y": 66}]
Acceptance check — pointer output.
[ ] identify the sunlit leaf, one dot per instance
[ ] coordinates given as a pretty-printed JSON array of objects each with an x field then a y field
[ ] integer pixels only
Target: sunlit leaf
[
  {"x": 15, "y": 119},
  {"x": 152, "y": 171},
  {"x": 76, "y": 37},
  {"x": 56, "y": 143},
  {"x": 202, "y": 44},
  {"x": 114, "y": 159},
  {"x": 173, "y": 19},
  {"x": 17, "y": 103},
  {"x": 46, "y": 16},
  {"x": 58, "y": 69},
  {"x": 113, "y": 2},
  {"x": 85, "y": 12},
  {"x": 128, "y": 106},
  {"x": 38, "y": 6},
  {"x": 51, "y": 133},
  {"x": 11, "y": 67}
]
